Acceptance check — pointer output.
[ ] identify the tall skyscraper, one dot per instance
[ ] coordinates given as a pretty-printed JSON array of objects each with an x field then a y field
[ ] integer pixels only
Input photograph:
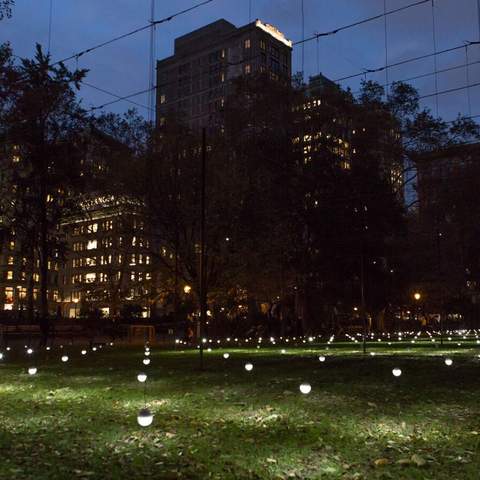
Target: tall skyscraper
[{"x": 194, "y": 82}]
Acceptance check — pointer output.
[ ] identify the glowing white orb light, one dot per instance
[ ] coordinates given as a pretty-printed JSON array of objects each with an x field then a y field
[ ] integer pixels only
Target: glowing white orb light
[
  {"x": 147, "y": 353},
  {"x": 305, "y": 388},
  {"x": 448, "y": 362},
  {"x": 146, "y": 361},
  {"x": 83, "y": 352},
  {"x": 248, "y": 367},
  {"x": 1, "y": 356},
  {"x": 29, "y": 351},
  {"x": 65, "y": 358},
  {"x": 48, "y": 349},
  {"x": 396, "y": 372},
  {"x": 226, "y": 355},
  {"x": 321, "y": 358},
  {"x": 32, "y": 370},
  {"x": 8, "y": 349},
  {"x": 94, "y": 349},
  {"x": 283, "y": 351},
  {"x": 145, "y": 417},
  {"x": 142, "y": 377}
]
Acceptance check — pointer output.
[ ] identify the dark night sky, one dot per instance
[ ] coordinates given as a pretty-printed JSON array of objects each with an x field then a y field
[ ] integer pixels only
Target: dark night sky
[{"x": 122, "y": 67}]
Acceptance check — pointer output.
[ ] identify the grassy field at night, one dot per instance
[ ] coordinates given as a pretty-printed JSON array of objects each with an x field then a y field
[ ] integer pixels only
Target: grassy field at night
[{"x": 78, "y": 419}]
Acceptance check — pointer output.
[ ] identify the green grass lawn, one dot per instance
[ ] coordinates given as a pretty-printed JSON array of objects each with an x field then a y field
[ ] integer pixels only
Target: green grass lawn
[{"x": 78, "y": 420}]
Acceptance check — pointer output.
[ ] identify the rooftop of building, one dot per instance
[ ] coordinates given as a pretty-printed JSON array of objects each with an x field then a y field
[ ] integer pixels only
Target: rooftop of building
[{"x": 217, "y": 32}]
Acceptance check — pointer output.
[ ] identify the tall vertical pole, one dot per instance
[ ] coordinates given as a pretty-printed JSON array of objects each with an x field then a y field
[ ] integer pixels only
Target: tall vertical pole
[
  {"x": 434, "y": 33},
  {"x": 151, "y": 65},
  {"x": 362, "y": 298},
  {"x": 387, "y": 80},
  {"x": 303, "y": 37},
  {"x": 203, "y": 306},
  {"x": 478, "y": 12}
]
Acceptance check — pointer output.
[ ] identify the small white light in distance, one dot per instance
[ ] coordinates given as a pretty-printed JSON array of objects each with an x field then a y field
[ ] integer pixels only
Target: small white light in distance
[
  {"x": 32, "y": 370},
  {"x": 226, "y": 355},
  {"x": 396, "y": 372},
  {"x": 146, "y": 361},
  {"x": 29, "y": 351},
  {"x": 142, "y": 377},
  {"x": 448, "y": 362},
  {"x": 64, "y": 358},
  {"x": 83, "y": 352},
  {"x": 248, "y": 367},
  {"x": 321, "y": 358},
  {"x": 305, "y": 388}
]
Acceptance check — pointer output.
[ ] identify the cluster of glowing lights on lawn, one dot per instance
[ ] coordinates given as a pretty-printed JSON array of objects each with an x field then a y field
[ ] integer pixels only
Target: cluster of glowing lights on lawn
[{"x": 145, "y": 416}]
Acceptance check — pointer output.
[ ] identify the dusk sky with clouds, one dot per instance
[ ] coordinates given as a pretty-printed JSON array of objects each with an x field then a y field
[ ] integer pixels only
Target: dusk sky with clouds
[{"x": 122, "y": 66}]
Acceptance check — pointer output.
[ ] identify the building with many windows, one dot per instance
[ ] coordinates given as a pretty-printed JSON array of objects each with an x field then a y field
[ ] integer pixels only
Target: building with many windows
[
  {"x": 109, "y": 263},
  {"x": 194, "y": 82}
]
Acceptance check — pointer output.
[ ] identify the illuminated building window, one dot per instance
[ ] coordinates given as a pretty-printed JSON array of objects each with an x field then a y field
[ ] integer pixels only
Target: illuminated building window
[
  {"x": 8, "y": 306},
  {"x": 55, "y": 295},
  {"x": 91, "y": 261},
  {"x": 92, "y": 244},
  {"x": 36, "y": 277},
  {"x": 148, "y": 276},
  {"x": 10, "y": 275},
  {"x": 120, "y": 258},
  {"x": 107, "y": 242},
  {"x": 10, "y": 260},
  {"x": 22, "y": 293},
  {"x": 162, "y": 98},
  {"x": 35, "y": 293},
  {"x": 23, "y": 275},
  {"x": 248, "y": 69},
  {"x": 90, "y": 277},
  {"x": 9, "y": 295},
  {"x": 132, "y": 276},
  {"x": 147, "y": 259},
  {"x": 92, "y": 228},
  {"x": 16, "y": 158},
  {"x": 247, "y": 43},
  {"x": 108, "y": 225},
  {"x": 11, "y": 244},
  {"x": 133, "y": 260}
]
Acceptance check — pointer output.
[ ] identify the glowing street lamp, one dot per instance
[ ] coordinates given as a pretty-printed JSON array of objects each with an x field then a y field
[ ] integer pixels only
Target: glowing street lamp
[
  {"x": 187, "y": 289},
  {"x": 417, "y": 296}
]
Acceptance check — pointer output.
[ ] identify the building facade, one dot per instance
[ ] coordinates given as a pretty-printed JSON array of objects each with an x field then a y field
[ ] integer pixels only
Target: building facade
[{"x": 194, "y": 82}]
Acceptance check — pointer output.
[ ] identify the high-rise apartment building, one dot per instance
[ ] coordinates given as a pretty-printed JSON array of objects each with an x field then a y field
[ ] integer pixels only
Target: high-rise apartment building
[{"x": 194, "y": 82}]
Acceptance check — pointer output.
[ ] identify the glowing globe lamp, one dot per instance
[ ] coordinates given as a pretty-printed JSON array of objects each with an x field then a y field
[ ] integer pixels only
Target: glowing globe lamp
[
  {"x": 305, "y": 388},
  {"x": 145, "y": 417}
]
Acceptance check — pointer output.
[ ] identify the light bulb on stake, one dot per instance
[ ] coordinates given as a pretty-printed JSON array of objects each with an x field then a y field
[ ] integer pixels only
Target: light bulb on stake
[
  {"x": 32, "y": 370},
  {"x": 145, "y": 417},
  {"x": 305, "y": 388}
]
